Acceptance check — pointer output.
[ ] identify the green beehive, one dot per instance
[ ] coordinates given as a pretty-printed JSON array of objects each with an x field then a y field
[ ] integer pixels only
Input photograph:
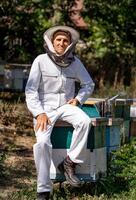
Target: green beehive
[
  {"x": 61, "y": 136},
  {"x": 62, "y": 133},
  {"x": 122, "y": 108},
  {"x": 125, "y": 133},
  {"x": 91, "y": 110},
  {"x": 95, "y": 153},
  {"x": 113, "y": 134},
  {"x": 97, "y": 134}
]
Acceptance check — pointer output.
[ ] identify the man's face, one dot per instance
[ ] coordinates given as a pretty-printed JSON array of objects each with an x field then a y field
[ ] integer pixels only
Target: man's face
[{"x": 60, "y": 43}]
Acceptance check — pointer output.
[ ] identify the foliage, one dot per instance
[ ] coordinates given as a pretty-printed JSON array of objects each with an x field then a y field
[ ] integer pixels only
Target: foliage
[
  {"x": 107, "y": 47},
  {"x": 21, "y": 42},
  {"x": 25, "y": 194},
  {"x": 110, "y": 52},
  {"x": 122, "y": 169},
  {"x": 120, "y": 184}
]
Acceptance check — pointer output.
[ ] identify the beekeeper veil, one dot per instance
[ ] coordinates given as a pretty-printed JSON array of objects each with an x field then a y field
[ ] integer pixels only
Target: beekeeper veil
[{"x": 67, "y": 57}]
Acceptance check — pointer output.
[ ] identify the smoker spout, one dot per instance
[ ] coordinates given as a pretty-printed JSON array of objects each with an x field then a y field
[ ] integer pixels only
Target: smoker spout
[
  {"x": 116, "y": 96},
  {"x": 109, "y": 103}
]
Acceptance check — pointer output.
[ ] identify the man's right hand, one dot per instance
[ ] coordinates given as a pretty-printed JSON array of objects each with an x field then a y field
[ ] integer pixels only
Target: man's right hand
[{"x": 42, "y": 122}]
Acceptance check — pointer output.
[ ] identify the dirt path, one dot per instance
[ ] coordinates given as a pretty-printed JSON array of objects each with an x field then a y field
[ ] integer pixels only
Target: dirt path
[{"x": 18, "y": 167}]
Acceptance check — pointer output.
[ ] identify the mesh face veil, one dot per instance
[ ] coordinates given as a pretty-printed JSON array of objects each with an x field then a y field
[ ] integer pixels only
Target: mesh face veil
[{"x": 67, "y": 57}]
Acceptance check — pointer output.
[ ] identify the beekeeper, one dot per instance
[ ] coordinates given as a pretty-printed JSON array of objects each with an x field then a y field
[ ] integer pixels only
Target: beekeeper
[{"x": 50, "y": 95}]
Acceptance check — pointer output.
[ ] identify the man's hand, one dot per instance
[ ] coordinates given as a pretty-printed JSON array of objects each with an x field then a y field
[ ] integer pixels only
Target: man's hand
[
  {"x": 73, "y": 102},
  {"x": 42, "y": 122}
]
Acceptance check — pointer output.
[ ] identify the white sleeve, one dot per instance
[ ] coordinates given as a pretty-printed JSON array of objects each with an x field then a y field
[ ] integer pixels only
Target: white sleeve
[
  {"x": 31, "y": 90},
  {"x": 86, "y": 83}
]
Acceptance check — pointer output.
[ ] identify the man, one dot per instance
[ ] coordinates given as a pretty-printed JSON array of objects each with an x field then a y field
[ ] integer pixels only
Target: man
[{"x": 50, "y": 95}]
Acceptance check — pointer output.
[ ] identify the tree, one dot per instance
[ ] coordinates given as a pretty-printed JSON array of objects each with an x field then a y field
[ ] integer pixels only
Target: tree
[
  {"x": 107, "y": 47},
  {"x": 110, "y": 41},
  {"x": 22, "y": 24}
]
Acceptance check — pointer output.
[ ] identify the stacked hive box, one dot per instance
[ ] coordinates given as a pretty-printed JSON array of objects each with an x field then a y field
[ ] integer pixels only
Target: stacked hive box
[
  {"x": 113, "y": 134},
  {"x": 122, "y": 110},
  {"x": 13, "y": 77},
  {"x": 96, "y": 157},
  {"x": 18, "y": 76},
  {"x": 114, "y": 125}
]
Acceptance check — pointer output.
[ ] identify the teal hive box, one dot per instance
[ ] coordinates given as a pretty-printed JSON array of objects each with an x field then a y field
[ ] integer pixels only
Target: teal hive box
[
  {"x": 62, "y": 132},
  {"x": 97, "y": 136},
  {"x": 96, "y": 154},
  {"x": 113, "y": 134},
  {"x": 91, "y": 110},
  {"x": 125, "y": 133},
  {"x": 121, "y": 108}
]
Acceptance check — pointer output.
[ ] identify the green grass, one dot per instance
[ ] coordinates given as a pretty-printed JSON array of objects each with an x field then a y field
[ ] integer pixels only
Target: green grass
[
  {"x": 68, "y": 194},
  {"x": 120, "y": 183}
]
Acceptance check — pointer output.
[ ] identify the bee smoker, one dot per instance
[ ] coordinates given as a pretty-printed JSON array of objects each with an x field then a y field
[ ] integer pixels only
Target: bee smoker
[{"x": 107, "y": 105}]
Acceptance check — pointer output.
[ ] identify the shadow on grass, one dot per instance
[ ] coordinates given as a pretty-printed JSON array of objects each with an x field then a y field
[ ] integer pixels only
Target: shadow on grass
[
  {"x": 12, "y": 96},
  {"x": 66, "y": 192},
  {"x": 18, "y": 176}
]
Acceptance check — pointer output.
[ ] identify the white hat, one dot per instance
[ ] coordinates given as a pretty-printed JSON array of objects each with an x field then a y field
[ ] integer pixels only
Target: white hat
[{"x": 74, "y": 34}]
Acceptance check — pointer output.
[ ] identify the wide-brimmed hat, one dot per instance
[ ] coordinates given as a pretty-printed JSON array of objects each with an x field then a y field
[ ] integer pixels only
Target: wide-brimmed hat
[{"x": 74, "y": 34}]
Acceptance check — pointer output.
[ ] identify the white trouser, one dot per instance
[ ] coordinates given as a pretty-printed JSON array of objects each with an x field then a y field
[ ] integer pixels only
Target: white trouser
[{"x": 43, "y": 148}]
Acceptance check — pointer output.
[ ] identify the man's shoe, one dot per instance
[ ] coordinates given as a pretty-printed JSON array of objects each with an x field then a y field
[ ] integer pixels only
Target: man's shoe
[
  {"x": 67, "y": 167},
  {"x": 43, "y": 196}
]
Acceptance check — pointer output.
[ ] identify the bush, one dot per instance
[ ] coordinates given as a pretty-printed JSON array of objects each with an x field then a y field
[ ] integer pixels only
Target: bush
[
  {"x": 122, "y": 168},
  {"x": 120, "y": 184}
]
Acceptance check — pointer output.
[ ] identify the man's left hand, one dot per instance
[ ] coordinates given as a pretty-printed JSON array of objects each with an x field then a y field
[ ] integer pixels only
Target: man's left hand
[{"x": 73, "y": 102}]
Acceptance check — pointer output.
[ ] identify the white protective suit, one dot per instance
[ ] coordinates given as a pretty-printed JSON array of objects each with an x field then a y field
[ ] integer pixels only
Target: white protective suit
[{"x": 48, "y": 90}]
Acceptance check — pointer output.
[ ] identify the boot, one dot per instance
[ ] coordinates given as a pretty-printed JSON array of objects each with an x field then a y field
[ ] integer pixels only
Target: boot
[
  {"x": 67, "y": 167},
  {"x": 43, "y": 196}
]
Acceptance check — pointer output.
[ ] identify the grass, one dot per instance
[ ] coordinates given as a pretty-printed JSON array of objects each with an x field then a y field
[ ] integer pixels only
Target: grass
[
  {"x": 17, "y": 170},
  {"x": 68, "y": 194},
  {"x": 120, "y": 184}
]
